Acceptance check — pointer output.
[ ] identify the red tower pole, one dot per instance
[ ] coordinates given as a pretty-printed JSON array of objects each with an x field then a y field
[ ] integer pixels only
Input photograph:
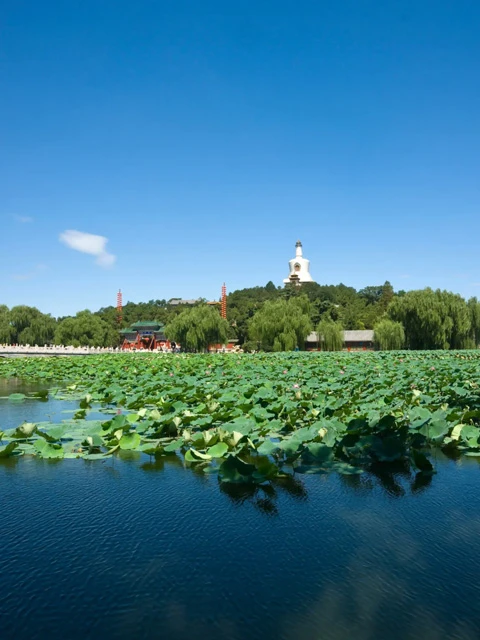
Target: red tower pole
[
  {"x": 224, "y": 302},
  {"x": 119, "y": 307}
]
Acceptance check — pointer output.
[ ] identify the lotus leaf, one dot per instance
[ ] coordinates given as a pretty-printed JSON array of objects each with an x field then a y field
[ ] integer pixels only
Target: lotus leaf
[
  {"x": 218, "y": 450},
  {"x": 129, "y": 441},
  {"x": 8, "y": 449},
  {"x": 17, "y": 397},
  {"x": 272, "y": 408}
]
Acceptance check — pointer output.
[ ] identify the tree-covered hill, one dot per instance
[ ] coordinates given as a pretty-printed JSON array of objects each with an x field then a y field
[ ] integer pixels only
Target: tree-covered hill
[{"x": 429, "y": 319}]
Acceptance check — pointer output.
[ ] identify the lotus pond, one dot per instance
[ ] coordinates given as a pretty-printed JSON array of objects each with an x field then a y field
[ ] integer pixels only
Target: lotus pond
[
  {"x": 253, "y": 419},
  {"x": 287, "y": 496}
]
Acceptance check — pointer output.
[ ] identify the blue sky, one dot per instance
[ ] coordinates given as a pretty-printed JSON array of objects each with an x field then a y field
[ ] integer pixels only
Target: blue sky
[{"x": 202, "y": 139}]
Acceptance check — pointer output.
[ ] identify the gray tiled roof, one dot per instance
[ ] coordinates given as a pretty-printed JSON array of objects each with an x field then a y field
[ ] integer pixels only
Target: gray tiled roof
[
  {"x": 175, "y": 301},
  {"x": 365, "y": 335}
]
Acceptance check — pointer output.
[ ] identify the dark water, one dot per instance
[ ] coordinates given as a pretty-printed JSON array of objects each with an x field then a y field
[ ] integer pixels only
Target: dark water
[
  {"x": 133, "y": 548},
  {"x": 12, "y": 414}
]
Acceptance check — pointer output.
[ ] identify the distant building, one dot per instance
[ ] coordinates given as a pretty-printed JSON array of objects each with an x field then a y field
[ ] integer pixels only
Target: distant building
[
  {"x": 363, "y": 340},
  {"x": 299, "y": 268},
  {"x": 144, "y": 335},
  {"x": 176, "y": 301}
]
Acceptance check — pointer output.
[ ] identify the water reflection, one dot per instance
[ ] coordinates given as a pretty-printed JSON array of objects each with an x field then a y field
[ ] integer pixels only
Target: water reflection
[
  {"x": 395, "y": 480},
  {"x": 158, "y": 464},
  {"x": 265, "y": 497},
  {"x": 17, "y": 385},
  {"x": 312, "y": 556}
]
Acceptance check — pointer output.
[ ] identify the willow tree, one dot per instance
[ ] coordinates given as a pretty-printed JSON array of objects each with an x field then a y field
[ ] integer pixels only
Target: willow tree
[
  {"x": 389, "y": 335},
  {"x": 330, "y": 335},
  {"x": 86, "y": 330},
  {"x": 474, "y": 310},
  {"x": 281, "y": 325},
  {"x": 197, "y": 328},
  {"x": 433, "y": 319},
  {"x": 31, "y": 326},
  {"x": 6, "y": 329}
]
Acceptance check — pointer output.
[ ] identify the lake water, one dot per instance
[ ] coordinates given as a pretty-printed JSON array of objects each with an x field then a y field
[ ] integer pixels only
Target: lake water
[{"x": 138, "y": 548}]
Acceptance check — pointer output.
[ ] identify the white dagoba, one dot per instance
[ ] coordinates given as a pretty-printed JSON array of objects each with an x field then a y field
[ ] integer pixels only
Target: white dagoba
[{"x": 299, "y": 268}]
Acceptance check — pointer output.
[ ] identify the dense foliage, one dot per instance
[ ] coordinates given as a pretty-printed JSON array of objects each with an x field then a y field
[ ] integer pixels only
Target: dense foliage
[
  {"x": 85, "y": 329},
  {"x": 197, "y": 328},
  {"x": 433, "y": 319},
  {"x": 281, "y": 325},
  {"x": 330, "y": 335},
  {"x": 430, "y": 319},
  {"x": 252, "y": 418},
  {"x": 389, "y": 335}
]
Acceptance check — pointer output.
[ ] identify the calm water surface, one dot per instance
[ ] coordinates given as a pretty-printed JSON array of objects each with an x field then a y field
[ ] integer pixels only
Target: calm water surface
[{"x": 135, "y": 548}]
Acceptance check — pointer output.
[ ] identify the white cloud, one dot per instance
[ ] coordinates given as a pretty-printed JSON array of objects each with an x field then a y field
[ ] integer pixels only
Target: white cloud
[
  {"x": 23, "y": 219},
  {"x": 89, "y": 243}
]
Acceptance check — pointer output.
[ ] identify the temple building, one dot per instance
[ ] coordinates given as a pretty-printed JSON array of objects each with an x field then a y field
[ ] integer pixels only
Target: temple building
[
  {"x": 144, "y": 335},
  {"x": 299, "y": 268}
]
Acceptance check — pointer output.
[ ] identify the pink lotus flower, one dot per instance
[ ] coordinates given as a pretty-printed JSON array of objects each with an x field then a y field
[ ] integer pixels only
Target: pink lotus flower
[
  {"x": 171, "y": 375},
  {"x": 342, "y": 372},
  {"x": 296, "y": 386},
  {"x": 285, "y": 371}
]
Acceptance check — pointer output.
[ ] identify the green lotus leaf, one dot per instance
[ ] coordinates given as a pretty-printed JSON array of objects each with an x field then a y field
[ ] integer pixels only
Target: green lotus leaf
[
  {"x": 94, "y": 456},
  {"x": 320, "y": 452},
  {"x": 245, "y": 426},
  {"x": 53, "y": 434},
  {"x": 174, "y": 446},
  {"x": 469, "y": 432},
  {"x": 199, "y": 455},
  {"x": 218, "y": 450},
  {"x": 189, "y": 457},
  {"x": 94, "y": 441},
  {"x": 435, "y": 429},
  {"x": 129, "y": 441},
  {"x": 49, "y": 450},
  {"x": 42, "y": 395},
  {"x": 17, "y": 397},
  {"x": 290, "y": 446},
  {"x": 267, "y": 447},
  {"x": 8, "y": 449}
]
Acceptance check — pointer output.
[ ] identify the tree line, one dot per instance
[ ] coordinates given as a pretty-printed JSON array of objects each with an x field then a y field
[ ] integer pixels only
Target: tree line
[{"x": 270, "y": 318}]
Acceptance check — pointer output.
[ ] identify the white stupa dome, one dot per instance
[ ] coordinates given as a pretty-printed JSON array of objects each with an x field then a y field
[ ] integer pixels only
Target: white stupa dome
[{"x": 299, "y": 267}]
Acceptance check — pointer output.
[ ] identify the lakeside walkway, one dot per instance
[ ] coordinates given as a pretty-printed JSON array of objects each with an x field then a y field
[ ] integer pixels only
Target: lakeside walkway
[{"x": 58, "y": 350}]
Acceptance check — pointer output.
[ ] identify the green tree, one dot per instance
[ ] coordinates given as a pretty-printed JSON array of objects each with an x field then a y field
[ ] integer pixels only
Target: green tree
[
  {"x": 474, "y": 311},
  {"x": 389, "y": 335},
  {"x": 198, "y": 327},
  {"x": 6, "y": 330},
  {"x": 330, "y": 335},
  {"x": 86, "y": 330},
  {"x": 432, "y": 319},
  {"x": 244, "y": 303},
  {"x": 31, "y": 326},
  {"x": 281, "y": 325}
]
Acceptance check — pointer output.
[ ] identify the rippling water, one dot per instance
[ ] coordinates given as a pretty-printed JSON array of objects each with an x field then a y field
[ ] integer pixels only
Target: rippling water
[{"x": 135, "y": 548}]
